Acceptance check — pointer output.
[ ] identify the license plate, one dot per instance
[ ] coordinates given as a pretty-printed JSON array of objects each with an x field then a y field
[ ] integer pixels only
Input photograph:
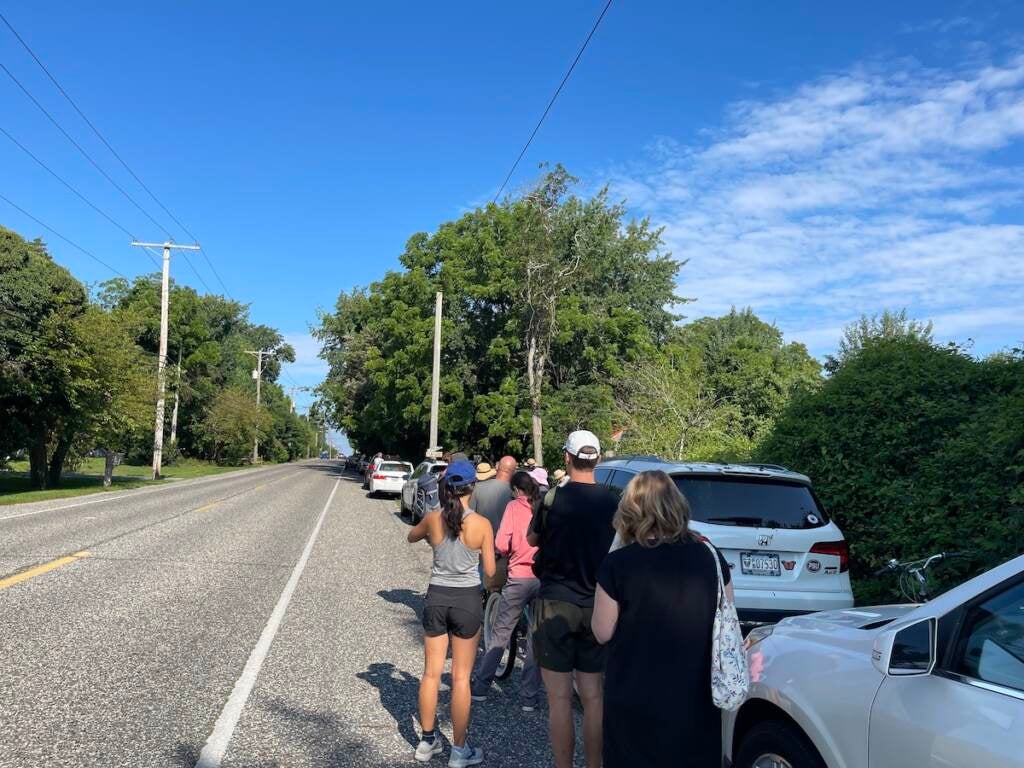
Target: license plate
[{"x": 759, "y": 564}]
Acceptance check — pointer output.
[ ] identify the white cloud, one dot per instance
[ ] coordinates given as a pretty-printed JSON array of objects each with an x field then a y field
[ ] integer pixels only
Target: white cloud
[{"x": 882, "y": 187}]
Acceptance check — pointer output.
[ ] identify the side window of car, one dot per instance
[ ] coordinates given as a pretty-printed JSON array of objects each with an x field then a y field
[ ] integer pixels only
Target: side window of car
[
  {"x": 601, "y": 475},
  {"x": 990, "y": 647},
  {"x": 620, "y": 479},
  {"x": 419, "y": 470}
]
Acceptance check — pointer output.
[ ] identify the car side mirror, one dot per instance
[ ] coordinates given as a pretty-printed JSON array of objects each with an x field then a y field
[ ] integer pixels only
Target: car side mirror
[
  {"x": 906, "y": 651},
  {"x": 405, "y": 476}
]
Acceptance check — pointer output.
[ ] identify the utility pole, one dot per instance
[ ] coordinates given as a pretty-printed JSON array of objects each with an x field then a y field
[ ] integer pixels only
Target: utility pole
[
  {"x": 435, "y": 385},
  {"x": 174, "y": 412},
  {"x": 258, "y": 375},
  {"x": 158, "y": 430}
]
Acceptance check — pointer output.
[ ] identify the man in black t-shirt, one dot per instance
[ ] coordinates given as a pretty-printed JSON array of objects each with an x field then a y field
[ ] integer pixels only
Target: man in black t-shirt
[{"x": 573, "y": 530}]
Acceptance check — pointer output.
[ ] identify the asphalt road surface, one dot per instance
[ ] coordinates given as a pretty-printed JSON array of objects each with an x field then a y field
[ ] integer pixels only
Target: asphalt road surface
[{"x": 267, "y": 617}]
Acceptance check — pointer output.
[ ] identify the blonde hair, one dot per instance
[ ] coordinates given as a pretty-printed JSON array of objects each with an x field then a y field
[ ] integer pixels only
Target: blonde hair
[{"x": 653, "y": 511}]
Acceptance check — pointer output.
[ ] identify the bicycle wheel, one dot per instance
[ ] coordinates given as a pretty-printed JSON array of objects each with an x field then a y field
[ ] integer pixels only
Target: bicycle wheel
[
  {"x": 507, "y": 663},
  {"x": 491, "y": 607}
]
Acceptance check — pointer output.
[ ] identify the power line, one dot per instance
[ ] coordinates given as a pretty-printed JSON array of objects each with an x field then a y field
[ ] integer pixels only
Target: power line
[
  {"x": 552, "y": 102},
  {"x": 114, "y": 152},
  {"x": 82, "y": 151},
  {"x": 78, "y": 194},
  {"x": 70, "y": 242}
]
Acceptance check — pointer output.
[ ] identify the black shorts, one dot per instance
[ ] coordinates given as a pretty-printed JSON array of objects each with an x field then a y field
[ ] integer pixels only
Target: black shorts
[
  {"x": 562, "y": 638},
  {"x": 458, "y": 610}
]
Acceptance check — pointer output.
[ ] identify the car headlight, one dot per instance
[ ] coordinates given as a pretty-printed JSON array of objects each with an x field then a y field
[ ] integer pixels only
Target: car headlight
[{"x": 757, "y": 634}]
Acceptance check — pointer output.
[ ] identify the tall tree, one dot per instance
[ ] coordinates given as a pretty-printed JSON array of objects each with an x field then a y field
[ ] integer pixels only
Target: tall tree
[
  {"x": 40, "y": 352},
  {"x": 553, "y": 288}
]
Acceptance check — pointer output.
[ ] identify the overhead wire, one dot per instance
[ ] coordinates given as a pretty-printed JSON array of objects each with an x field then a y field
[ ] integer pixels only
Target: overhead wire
[
  {"x": 74, "y": 191},
  {"x": 67, "y": 240},
  {"x": 96, "y": 165},
  {"x": 551, "y": 103},
  {"x": 113, "y": 151}
]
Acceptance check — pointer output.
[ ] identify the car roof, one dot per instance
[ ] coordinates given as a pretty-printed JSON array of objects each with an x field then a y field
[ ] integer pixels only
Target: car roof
[{"x": 645, "y": 463}]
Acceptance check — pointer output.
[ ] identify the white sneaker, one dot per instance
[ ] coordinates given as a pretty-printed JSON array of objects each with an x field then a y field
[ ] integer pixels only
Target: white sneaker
[
  {"x": 464, "y": 756},
  {"x": 425, "y": 751}
]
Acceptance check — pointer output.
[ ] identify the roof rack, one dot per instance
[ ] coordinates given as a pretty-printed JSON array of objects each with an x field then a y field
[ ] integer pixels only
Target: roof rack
[{"x": 636, "y": 457}]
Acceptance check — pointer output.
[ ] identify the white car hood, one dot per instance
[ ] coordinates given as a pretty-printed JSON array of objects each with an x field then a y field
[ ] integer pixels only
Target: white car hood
[{"x": 863, "y": 619}]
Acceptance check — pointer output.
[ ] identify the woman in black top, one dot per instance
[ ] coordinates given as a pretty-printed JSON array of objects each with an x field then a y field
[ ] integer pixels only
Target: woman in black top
[{"x": 655, "y": 606}]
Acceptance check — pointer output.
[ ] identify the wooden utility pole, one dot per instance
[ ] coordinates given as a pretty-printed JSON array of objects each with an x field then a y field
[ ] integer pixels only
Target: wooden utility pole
[
  {"x": 434, "y": 450},
  {"x": 158, "y": 429},
  {"x": 258, "y": 375}
]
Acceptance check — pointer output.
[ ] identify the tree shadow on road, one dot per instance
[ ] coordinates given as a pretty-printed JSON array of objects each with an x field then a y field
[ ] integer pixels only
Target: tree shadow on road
[{"x": 399, "y": 694}]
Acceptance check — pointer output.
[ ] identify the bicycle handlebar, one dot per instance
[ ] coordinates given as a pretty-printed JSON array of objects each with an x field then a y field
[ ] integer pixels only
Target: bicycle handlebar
[{"x": 902, "y": 565}]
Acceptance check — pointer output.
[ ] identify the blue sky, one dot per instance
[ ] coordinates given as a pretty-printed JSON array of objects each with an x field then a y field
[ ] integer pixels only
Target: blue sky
[{"x": 809, "y": 160}]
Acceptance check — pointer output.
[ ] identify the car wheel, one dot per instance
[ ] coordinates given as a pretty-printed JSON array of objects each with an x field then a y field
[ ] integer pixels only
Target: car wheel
[{"x": 777, "y": 744}]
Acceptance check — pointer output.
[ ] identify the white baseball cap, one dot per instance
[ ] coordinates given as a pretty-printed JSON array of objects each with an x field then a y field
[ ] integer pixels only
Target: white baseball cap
[{"x": 583, "y": 444}]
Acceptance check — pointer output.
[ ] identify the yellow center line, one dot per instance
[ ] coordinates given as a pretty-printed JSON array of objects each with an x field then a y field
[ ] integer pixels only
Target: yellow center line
[{"x": 39, "y": 570}]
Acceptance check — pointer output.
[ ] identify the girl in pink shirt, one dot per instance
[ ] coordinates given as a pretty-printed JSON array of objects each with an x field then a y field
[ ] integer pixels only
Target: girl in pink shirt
[{"x": 518, "y": 592}]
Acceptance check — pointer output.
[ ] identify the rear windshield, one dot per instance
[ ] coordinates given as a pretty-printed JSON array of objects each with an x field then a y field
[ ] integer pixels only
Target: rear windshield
[
  {"x": 393, "y": 466},
  {"x": 751, "y": 502}
]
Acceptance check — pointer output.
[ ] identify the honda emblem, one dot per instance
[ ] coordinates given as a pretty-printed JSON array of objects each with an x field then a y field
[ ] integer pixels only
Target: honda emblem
[{"x": 764, "y": 541}]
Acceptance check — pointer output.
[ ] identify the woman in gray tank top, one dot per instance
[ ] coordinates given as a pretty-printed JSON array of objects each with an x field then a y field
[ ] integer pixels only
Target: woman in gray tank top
[{"x": 461, "y": 539}]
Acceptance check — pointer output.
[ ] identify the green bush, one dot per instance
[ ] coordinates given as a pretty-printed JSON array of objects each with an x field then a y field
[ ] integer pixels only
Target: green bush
[{"x": 914, "y": 448}]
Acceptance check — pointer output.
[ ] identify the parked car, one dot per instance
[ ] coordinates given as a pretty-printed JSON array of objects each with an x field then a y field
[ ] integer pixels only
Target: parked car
[
  {"x": 411, "y": 503},
  {"x": 785, "y": 555},
  {"x": 922, "y": 686},
  {"x": 388, "y": 476},
  {"x": 352, "y": 462}
]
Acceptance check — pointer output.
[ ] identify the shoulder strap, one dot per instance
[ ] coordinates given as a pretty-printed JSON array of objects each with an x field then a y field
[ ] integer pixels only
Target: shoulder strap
[
  {"x": 718, "y": 570},
  {"x": 549, "y": 500}
]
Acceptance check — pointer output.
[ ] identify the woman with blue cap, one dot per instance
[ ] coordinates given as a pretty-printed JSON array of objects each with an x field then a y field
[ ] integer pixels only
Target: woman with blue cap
[{"x": 460, "y": 539}]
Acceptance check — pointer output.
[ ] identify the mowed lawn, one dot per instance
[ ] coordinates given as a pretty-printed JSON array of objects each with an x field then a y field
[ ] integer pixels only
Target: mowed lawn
[{"x": 88, "y": 478}]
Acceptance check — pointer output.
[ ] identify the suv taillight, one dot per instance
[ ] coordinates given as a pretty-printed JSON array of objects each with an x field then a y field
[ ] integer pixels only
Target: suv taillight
[
  {"x": 380, "y": 477},
  {"x": 838, "y": 549}
]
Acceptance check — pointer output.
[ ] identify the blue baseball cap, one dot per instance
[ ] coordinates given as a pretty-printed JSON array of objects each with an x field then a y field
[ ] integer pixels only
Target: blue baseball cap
[{"x": 460, "y": 474}]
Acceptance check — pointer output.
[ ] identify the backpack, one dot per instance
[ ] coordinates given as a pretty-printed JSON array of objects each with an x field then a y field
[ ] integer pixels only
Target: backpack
[{"x": 545, "y": 504}]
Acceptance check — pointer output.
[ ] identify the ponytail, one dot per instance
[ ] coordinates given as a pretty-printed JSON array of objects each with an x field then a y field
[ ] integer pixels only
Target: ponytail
[{"x": 451, "y": 510}]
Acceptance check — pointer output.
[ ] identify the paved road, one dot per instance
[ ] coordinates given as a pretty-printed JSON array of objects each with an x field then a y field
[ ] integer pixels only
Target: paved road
[{"x": 268, "y": 616}]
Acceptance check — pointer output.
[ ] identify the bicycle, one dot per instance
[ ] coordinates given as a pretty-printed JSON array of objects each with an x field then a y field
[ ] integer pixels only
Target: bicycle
[
  {"x": 515, "y": 648},
  {"x": 913, "y": 574}
]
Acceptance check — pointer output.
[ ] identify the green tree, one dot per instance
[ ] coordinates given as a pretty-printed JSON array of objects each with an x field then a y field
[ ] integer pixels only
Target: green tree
[
  {"x": 211, "y": 334},
  {"x": 501, "y": 269},
  {"x": 746, "y": 363},
  {"x": 888, "y": 325},
  {"x": 71, "y": 379},
  {"x": 914, "y": 448},
  {"x": 232, "y": 423},
  {"x": 41, "y": 358}
]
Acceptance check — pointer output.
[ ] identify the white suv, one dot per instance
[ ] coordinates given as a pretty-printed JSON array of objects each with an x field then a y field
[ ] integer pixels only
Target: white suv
[{"x": 786, "y": 556}]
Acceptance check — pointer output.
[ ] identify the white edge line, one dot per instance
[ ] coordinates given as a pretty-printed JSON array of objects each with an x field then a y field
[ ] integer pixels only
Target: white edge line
[
  {"x": 217, "y": 743},
  {"x": 132, "y": 492}
]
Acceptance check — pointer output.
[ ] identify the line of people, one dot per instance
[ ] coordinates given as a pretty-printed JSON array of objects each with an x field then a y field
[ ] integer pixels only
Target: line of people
[{"x": 622, "y": 598}]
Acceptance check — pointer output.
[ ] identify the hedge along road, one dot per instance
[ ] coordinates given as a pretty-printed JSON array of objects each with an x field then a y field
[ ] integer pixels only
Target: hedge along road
[{"x": 267, "y": 618}]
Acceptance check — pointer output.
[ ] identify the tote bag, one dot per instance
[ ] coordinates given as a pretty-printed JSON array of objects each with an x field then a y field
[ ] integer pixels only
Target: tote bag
[{"x": 730, "y": 675}]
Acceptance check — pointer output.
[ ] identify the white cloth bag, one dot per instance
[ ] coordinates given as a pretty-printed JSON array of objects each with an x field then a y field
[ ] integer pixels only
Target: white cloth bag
[{"x": 730, "y": 674}]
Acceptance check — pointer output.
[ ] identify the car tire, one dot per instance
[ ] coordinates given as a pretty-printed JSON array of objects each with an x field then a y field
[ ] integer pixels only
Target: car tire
[{"x": 780, "y": 740}]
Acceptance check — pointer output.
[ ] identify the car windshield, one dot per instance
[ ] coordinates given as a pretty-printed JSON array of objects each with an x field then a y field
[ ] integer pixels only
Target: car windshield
[
  {"x": 393, "y": 466},
  {"x": 751, "y": 502}
]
